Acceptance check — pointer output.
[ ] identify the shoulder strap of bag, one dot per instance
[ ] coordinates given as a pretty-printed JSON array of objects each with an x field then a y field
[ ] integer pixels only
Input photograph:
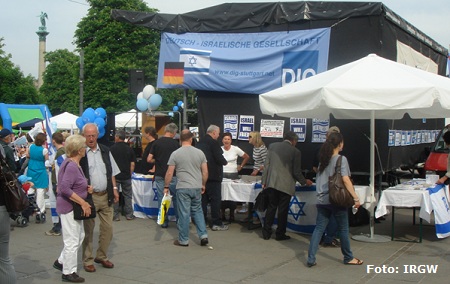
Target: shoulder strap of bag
[
  {"x": 4, "y": 164},
  {"x": 338, "y": 165}
]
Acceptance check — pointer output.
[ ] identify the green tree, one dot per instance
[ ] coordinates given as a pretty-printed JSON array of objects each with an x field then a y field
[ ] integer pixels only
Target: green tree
[
  {"x": 111, "y": 49},
  {"x": 61, "y": 81},
  {"x": 15, "y": 88}
]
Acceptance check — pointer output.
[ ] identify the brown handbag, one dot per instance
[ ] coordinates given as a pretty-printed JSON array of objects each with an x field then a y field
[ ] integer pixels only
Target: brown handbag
[
  {"x": 338, "y": 194},
  {"x": 16, "y": 199}
]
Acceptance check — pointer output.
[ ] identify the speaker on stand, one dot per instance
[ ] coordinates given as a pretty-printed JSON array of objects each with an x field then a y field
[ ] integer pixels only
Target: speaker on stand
[{"x": 136, "y": 81}]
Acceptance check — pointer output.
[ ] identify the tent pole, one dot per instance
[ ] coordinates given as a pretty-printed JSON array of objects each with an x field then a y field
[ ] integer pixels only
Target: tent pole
[
  {"x": 372, "y": 172},
  {"x": 372, "y": 238}
]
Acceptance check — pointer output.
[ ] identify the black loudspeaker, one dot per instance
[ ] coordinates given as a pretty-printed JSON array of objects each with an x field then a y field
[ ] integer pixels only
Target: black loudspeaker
[
  {"x": 110, "y": 127},
  {"x": 136, "y": 81}
]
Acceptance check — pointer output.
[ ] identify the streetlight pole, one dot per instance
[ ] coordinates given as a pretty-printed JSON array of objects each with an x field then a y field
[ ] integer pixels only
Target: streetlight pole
[{"x": 81, "y": 81}]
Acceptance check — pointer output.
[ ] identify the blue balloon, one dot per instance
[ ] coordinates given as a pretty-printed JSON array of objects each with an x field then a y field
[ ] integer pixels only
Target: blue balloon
[
  {"x": 89, "y": 109},
  {"x": 80, "y": 123},
  {"x": 175, "y": 108},
  {"x": 100, "y": 122},
  {"x": 100, "y": 112},
  {"x": 101, "y": 132},
  {"x": 155, "y": 101},
  {"x": 88, "y": 115},
  {"x": 142, "y": 104},
  {"x": 179, "y": 103}
]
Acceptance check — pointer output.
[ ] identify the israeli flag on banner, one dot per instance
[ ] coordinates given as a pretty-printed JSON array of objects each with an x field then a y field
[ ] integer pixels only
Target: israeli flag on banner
[
  {"x": 439, "y": 203},
  {"x": 251, "y": 63},
  {"x": 196, "y": 61}
]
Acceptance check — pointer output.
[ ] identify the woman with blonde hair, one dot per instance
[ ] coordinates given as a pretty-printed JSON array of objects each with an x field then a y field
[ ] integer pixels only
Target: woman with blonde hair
[
  {"x": 72, "y": 187},
  {"x": 259, "y": 152},
  {"x": 259, "y": 156}
]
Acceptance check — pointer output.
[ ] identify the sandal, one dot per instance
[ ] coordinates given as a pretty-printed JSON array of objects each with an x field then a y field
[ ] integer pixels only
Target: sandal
[{"x": 358, "y": 262}]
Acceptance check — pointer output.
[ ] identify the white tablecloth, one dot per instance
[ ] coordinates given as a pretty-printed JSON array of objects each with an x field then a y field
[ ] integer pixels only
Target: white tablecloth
[
  {"x": 302, "y": 212},
  {"x": 405, "y": 198},
  {"x": 239, "y": 190}
]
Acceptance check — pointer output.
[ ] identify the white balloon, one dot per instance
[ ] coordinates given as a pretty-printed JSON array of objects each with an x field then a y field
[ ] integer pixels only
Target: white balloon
[
  {"x": 140, "y": 96},
  {"x": 148, "y": 91}
]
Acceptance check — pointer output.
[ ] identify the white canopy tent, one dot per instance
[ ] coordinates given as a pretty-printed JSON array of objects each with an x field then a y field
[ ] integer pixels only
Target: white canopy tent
[
  {"x": 369, "y": 88},
  {"x": 128, "y": 119},
  {"x": 64, "y": 121}
]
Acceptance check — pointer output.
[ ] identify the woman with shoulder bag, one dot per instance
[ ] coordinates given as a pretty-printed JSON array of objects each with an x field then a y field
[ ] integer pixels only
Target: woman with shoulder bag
[
  {"x": 328, "y": 156},
  {"x": 72, "y": 187},
  {"x": 7, "y": 272}
]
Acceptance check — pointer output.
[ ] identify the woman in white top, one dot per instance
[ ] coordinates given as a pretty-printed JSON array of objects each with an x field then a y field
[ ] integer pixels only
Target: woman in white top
[{"x": 231, "y": 154}]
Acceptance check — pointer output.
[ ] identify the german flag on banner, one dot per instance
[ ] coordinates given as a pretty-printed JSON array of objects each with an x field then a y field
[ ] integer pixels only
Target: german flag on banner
[{"x": 173, "y": 73}]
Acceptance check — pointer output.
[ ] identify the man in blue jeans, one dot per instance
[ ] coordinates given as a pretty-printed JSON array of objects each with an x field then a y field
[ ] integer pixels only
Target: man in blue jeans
[
  {"x": 160, "y": 152},
  {"x": 192, "y": 173}
]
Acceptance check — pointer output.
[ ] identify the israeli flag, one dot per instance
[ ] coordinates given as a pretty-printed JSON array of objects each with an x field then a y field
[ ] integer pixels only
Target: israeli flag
[
  {"x": 439, "y": 203},
  {"x": 48, "y": 132},
  {"x": 196, "y": 61}
]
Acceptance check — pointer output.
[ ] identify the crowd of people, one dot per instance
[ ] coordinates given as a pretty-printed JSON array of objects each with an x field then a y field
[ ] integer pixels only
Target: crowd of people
[{"x": 191, "y": 171}]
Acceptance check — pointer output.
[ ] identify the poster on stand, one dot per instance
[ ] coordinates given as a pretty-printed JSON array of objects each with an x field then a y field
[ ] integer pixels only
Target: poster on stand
[
  {"x": 272, "y": 128},
  {"x": 319, "y": 130},
  {"x": 230, "y": 124},
  {"x": 246, "y": 125},
  {"x": 298, "y": 125}
]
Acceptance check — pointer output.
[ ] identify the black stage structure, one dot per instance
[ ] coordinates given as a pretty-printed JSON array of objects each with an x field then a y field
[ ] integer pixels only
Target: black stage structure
[{"x": 357, "y": 29}]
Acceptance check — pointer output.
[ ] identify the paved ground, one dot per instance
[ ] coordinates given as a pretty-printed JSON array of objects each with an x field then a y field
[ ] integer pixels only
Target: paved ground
[{"x": 143, "y": 253}]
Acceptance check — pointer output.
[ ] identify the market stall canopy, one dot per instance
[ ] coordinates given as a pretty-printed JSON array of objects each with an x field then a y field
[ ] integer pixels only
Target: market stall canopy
[
  {"x": 65, "y": 120},
  {"x": 128, "y": 119},
  {"x": 369, "y": 88},
  {"x": 350, "y": 91},
  {"x": 28, "y": 124}
]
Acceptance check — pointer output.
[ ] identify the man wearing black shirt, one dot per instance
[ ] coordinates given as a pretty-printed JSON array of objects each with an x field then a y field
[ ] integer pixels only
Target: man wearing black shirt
[
  {"x": 159, "y": 154},
  {"x": 126, "y": 161}
]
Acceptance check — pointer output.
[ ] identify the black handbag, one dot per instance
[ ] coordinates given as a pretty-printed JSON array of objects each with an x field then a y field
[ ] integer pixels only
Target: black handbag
[
  {"x": 78, "y": 213},
  {"x": 16, "y": 199},
  {"x": 339, "y": 195}
]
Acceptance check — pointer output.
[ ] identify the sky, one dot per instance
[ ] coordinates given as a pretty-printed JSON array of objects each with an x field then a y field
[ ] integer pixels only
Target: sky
[{"x": 20, "y": 21}]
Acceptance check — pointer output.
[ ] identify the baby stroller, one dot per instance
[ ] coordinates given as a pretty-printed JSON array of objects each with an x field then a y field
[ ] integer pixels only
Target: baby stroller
[{"x": 23, "y": 217}]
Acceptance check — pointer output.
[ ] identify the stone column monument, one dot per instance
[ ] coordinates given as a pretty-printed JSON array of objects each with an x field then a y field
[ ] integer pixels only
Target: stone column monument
[{"x": 42, "y": 33}]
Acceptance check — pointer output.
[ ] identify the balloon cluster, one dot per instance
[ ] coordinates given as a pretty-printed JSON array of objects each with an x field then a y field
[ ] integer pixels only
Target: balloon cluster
[
  {"x": 147, "y": 99},
  {"x": 96, "y": 116},
  {"x": 177, "y": 107}
]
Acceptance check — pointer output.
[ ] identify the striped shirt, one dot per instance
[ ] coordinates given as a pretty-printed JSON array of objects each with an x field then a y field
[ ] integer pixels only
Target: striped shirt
[{"x": 259, "y": 156}]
